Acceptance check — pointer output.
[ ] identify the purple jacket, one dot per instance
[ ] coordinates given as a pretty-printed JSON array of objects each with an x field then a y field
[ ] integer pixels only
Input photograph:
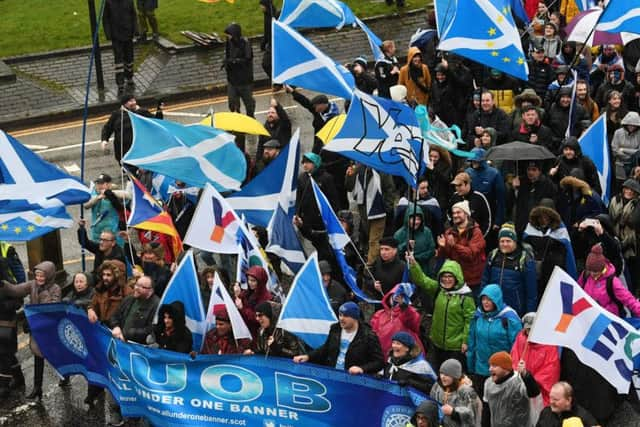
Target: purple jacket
[{"x": 597, "y": 289}]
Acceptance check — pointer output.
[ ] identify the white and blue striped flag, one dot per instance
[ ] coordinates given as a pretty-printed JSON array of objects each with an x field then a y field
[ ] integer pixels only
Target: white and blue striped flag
[
  {"x": 283, "y": 241},
  {"x": 594, "y": 145}
]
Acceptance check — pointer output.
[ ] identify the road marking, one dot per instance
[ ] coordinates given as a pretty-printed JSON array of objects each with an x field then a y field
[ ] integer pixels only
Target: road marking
[
  {"x": 72, "y": 168},
  {"x": 34, "y": 147}
]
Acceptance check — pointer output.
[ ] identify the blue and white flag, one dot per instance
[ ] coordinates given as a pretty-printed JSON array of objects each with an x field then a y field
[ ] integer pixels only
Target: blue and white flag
[
  {"x": 307, "y": 312},
  {"x": 382, "y": 134},
  {"x": 163, "y": 187},
  {"x": 309, "y": 67},
  {"x": 28, "y": 225},
  {"x": 620, "y": 16},
  {"x": 193, "y": 154},
  {"x": 184, "y": 287},
  {"x": 283, "y": 241},
  {"x": 29, "y": 183},
  {"x": 517, "y": 7},
  {"x": 374, "y": 41},
  {"x": 593, "y": 144},
  {"x": 274, "y": 186},
  {"x": 316, "y": 14},
  {"x": 585, "y": 4},
  {"x": 220, "y": 296},
  {"x": 483, "y": 31},
  {"x": 338, "y": 239}
]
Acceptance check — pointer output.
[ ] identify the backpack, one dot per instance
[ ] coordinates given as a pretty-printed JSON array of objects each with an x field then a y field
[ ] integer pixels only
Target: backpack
[{"x": 610, "y": 293}]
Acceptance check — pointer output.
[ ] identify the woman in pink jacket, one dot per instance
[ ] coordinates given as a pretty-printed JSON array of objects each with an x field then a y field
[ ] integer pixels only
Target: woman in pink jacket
[{"x": 599, "y": 280}]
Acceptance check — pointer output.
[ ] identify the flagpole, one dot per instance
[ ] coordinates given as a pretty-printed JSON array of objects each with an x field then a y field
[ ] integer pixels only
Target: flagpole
[
  {"x": 576, "y": 58},
  {"x": 85, "y": 116}
]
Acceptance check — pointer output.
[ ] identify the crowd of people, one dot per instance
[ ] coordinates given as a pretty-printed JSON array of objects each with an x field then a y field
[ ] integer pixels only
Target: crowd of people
[{"x": 459, "y": 264}]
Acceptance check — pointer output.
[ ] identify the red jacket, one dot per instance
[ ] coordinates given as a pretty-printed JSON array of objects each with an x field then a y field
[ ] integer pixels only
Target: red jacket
[
  {"x": 468, "y": 251},
  {"x": 542, "y": 361}
]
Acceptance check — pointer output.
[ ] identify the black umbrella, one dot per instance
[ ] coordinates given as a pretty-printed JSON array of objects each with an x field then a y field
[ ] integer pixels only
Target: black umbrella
[{"x": 519, "y": 151}]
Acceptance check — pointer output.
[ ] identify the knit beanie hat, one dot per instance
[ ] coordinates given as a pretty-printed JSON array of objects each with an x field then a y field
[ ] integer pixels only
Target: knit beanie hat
[
  {"x": 463, "y": 206},
  {"x": 527, "y": 320},
  {"x": 313, "y": 158},
  {"x": 350, "y": 309},
  {"x": 595, "y": 260},
  {"x": 265, "y": 308},
  {"x": 501, "y": 359},
  {"x": 220, "y": 312},
  {"x": 451, "y": 368},
  {"x": 405, "y": 338},
  {"x": 508, "y": 230},
  {"x": 405, "y": 290},
  {"x": 388, "y": 241}
]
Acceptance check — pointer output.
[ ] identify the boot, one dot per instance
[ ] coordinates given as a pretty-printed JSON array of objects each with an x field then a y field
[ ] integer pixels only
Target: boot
[
  {"x": 93, "y": 393},
  {"x": 17, "y": 382},
  {"x": 38, "y": 372}
]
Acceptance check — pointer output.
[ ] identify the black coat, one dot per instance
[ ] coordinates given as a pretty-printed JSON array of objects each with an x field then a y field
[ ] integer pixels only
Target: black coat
[
  {"x": 279, "y": 130},
  {"x": 116, "y": 253},
  {"x": 238, "y": 57},
  {"x": 181, "y": 339},
  {"x": 548, "y": 418},
  {"x": 119, "y": 20},
  {"x": 496, "y": 118},
  {"x": 449, "y": 98},
  {"x": 141, "y": 322},
  {"x": 364, "y": 351},
  {"x": 306, "y": 206},
  {"x": 557, "y": 119},
  {"x": 119, "y": 125},
  {"x": 389, "y": 273},
  {"x": 529, "y": 196},
  {"x": 540, "y": 77},
  {"x": 545, "y": 136}
]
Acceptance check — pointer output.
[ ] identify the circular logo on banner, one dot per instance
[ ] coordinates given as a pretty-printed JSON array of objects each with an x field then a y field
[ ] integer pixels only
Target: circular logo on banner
[
  {"x": 396, "y": 416},
  {"x": 72, "y": 338}
]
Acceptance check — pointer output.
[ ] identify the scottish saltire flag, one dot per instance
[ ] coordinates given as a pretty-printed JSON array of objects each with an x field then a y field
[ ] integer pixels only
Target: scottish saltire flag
[
  {"x": 214, "y": 226},
  {"x": 307, "y": 312},
  {"x": 27, "y": 182},
  {"x": 593, "y": 143},
  {"x": 567, "y": 316},
  {"x": 338, "y": 239},
  {"x": 619, "y": 16},
  {"x": 382, "y": 134},
  {"x": 309, "y": 67},
  {"x": 147, "y": 214},
  {"x": 585, "y": 4},
  {"x": 274, "y": 186},
  {"x": 28, "y": 225},
  {"x": 483, "y": 31},
  {"x": 283, "y": 241},
  {"x": 517, "y": 7},
  {"x": 184, "y": 287},
  {"x": 163, "y": 187},
  {"x": 316, "y": 14},
  {"x": 193, "y": 154},
  {"x": 220, "y": 296},
  {"x": 374, "y": 41}
]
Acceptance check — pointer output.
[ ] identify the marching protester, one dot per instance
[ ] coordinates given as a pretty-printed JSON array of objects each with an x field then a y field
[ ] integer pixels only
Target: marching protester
[
  {"x": 171, "y": 331},
  {"x": 271, "y": 340},
  {"x": 461, "y": 406},
  {"x": 247, "y": 300},
  {"x": 387, "y": 269},
  {"x": 221, "y": 339},
  {"x": 406, "y": 364},
  {"x": 105, "y": 249}
]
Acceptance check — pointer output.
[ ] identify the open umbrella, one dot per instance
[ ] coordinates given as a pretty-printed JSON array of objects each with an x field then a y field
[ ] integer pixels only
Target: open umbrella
[
  {"x": 582, "y": 24},
  {"x": 519, "y": 151},
  {"x": 235, "y": 122},
  {"x": 331, "y": 128}
]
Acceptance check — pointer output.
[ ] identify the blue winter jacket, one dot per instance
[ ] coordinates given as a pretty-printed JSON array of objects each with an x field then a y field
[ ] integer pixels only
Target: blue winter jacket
[
  {"x": 488, "y": 181},
  {"x": 515, "y": 273},
  {"x": 491, "y": 332}
]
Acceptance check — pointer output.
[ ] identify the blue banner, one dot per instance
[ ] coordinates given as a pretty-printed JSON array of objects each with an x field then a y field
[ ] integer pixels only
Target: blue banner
[{"x": 172, "y": 389}]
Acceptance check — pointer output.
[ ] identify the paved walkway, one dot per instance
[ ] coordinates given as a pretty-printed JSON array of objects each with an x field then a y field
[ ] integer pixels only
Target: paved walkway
[{"x": 52, "y": 85}]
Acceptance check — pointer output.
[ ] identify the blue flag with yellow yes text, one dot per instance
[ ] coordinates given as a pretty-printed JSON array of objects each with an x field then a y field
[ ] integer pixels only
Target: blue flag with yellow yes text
[
  {"x": 593, "y": 144},
  {"x": 172, "y": 389},
  {"x": 483, "y": 31},
  {"x": 382, "y": 134}
]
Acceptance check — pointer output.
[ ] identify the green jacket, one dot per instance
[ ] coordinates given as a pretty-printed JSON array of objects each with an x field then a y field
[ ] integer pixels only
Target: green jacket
[
  {"x": 452, "y": 311},
  {"x": 425, "y": 247}
]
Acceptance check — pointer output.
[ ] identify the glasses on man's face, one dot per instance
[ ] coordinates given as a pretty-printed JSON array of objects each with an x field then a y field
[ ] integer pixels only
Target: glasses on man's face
[{"x": 102, "y": 239}]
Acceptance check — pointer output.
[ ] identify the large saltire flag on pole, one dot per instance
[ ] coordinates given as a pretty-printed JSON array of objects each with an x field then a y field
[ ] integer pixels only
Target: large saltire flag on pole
[
  {"x": 309, "y": 67},
  {"x": 593, "y": 144},
  {"x": 382, "y": 134},
  {"x": 274, "y": 187},
  {"x": 316, "y": 14},
  {"x": 184, "y": 287},
  {"x": 147, "y": 214},
  {"x": 283, "y": 241},
  {"x": 307, "y": 312},
  {"x": 569, "y": 317},
  {"x": 194, "y": 154},
  {"x": 620, "y": 16},
  {"x": 483, "y": 31}
]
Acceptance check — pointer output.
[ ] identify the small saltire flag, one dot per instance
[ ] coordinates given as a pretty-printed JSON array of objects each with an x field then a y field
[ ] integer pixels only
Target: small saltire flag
[
  {"x": 28, "y": 225},
  {"x": 193, "y": 154},
  {"x": 382, "y": 134},
  {"x": 316, "y": 14},
  {"x": 593, "y": 144},
  {"x": 483, "y": 31},
  {"x": 620, "y": 16},
  {"x": 184, "y": 287},
  {"x": 283, "y": 241},
  {"x": 338, "y": 239},
  {"x": 274, "y": 186},
  {"x": 569, "y": 317},
  {"x": 307, "y": 312},
  {"x": 220, "y": 296},
  {"x": 29, "y": 183},
  {"x": 215, "y": 225},
  {"x": 147, "y": 214},
  {"x": 309, "y": 67},
  {"x": 162, "y": 187},
  {"x": 517, "y": 7}
]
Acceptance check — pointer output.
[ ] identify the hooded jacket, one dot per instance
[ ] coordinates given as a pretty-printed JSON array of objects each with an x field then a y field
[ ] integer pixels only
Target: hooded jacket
[
  {"x": 491, "y": 332},
  {"x": 238, "y": 57},
  {"x": 284, "y": 343},
  {"x": 395, "y": 317},
  {"x": 515, "y": 273},
  {"x": 453, "y": 310},
  {"x": 579, "y": 161},
  {"x": 467, "y": 406},
  {"x": 252, "y": 297},
  {"x": 180, "y": 339},
  {"x": 578, "y": 201},
  {"x": 424, "y": 247},
  {"x": 429, "y": 409},
  {"x": 624, "y": 216},
  {"x": 488, "y": 180},
  {"x": 416, "y": 80},
  {"x": 529, "y": 195},
  {"x": 623, "y": 86},
  {"x": 468, "y": 250},
  {"x": 625, "y": 144},
  {"x": 541, "y": 360},
  {"x": 597, "y": 289},
  {"x": 557, "y": 119},
  {"x": 412, "y": 370}
]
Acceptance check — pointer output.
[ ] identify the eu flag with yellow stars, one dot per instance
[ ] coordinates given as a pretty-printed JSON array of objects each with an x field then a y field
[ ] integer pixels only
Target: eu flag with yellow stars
[
  {"x": 28, "y": 225},
  {"x": 483, "y": 31}
]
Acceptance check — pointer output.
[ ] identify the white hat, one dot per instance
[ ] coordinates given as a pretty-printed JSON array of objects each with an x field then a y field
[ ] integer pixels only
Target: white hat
[
  {"x": 398, "y": 93},
  {"x": 463, "y": 206}
]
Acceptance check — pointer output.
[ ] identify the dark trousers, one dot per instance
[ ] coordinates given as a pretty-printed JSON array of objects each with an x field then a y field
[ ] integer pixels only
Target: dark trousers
[
  {"x": 244, "y": 92},
  {"x": 146, "y": 15},
  {"x": 123, "y": 60}
]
